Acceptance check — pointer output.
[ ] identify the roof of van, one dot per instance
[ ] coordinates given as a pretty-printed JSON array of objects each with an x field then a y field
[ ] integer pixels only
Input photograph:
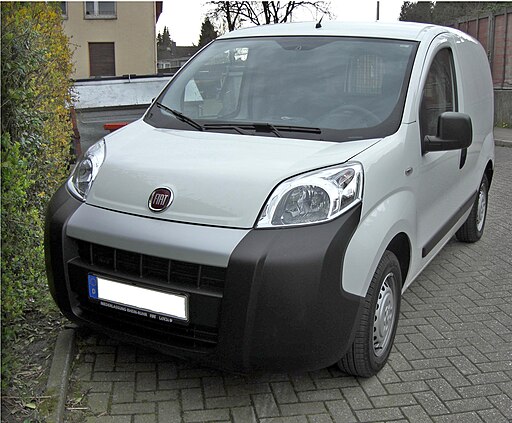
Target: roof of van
[{"x": 394, "y": 30}]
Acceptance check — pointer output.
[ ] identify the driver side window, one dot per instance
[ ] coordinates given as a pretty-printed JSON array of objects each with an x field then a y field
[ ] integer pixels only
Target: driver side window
[{"x": 439, "y": 93}]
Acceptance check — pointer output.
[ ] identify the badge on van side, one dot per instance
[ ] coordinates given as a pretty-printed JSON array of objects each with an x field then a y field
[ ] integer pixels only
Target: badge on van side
[{"x": 160, "y": 199}]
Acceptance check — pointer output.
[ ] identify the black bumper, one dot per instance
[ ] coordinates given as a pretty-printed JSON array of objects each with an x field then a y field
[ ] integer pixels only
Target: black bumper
[{"x": 282, "y": 306}]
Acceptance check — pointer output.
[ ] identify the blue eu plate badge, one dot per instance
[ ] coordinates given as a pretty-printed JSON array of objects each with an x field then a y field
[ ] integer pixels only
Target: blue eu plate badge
[{"x": 93, "y": 287}]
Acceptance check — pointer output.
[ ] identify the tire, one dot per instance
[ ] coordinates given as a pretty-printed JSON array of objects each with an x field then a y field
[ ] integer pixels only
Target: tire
[
  {"x": 375, "y": 333},
  {"x": 473, "y": 228}
]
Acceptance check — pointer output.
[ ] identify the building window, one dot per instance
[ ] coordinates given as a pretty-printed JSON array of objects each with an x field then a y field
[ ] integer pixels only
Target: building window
[
  {"x": 64, "y": 9},
  {"x": 100, "y": 10},
  {"x": 102, "y": 59}
]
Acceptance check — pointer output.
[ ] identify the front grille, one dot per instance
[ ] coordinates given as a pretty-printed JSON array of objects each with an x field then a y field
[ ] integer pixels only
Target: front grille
[
  {"x": 203, "y": 285},
  {"x": 152, "y": 268}
]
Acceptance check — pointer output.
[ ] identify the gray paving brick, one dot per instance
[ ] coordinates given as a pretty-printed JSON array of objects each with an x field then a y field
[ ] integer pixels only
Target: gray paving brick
[
  {"x": 340, "y": 411},
  {"x": 146, "y": 381},
  {"x": 284, "y": 392},
  {"x": 478, "y": 391},
  {"x": 96, "y": 386},
  {"x": 123, "y": 392},
  {"x": 243, "y": 415},
  {"x": 393, "y": 400},
  {"x": 228, "y": 402},
  {"x": 192, "y": 399},
  {"x": 134, "y": 408},
  {"x": 493, "y": 416},
  {"x": 144, "y": 418},
  {"x": 83, "y": 371},
  {"x": 406, "y": 387},
  {"x": 113, "y": 376},
  {"x": 459, "y": 418},
  {"x": 169, "y": 411},
  {"x": 98, "y": 402},
  {"x": 104, "y": 362},
  {"x": 416, "y": 414},
  {"x": 213, "y": 387},
  {"x": 179, "y": 384},
  {"x": 206, "y": 415},
  {"x": 319, "y": 418},
  {"x": 303, "y": 408},
  {"x": 372, "y": 387},
  {"x": 357, "y": 398},
  {"x": 470, "y": 404},
  {"x": 248, "y": 389},
  {"x": 504, "y": 404},
  {"x": 265, "y": 405},
  {"x": 302, "y": 382},
  {"x": 152, "y": 396},
  {"x": 431, "y": 403},
  {"x": 320, "y": 395},
  {"x": 443, "y": 389},
  {"x": 294, "y": 419},
  {"x": 382, "y": 414},
  {"x": 491, "y": 377}
]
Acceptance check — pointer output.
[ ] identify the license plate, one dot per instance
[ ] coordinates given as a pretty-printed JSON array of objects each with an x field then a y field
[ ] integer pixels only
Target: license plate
[{"x": 136, "y": 300}]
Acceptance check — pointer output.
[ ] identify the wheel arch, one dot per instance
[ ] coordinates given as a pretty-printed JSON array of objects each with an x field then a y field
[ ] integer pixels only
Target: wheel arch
[
  {"x": 400, "y": 246},
  {"x": 489, "y": 171},
  {"x": 388, "y": 225}
]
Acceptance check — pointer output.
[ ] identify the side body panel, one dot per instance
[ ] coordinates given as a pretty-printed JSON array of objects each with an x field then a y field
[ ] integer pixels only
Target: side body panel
[{"x": 435, "y": 191}]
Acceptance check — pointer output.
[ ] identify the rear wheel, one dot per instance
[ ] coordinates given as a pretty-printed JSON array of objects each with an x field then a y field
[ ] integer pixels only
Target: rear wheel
[
  {"x": 377, "y": 327},
  {"x": 473, "y": 228}
]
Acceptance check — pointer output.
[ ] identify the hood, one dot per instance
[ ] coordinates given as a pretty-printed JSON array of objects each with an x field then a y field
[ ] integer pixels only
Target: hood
[{"x": 217, "y": 179}]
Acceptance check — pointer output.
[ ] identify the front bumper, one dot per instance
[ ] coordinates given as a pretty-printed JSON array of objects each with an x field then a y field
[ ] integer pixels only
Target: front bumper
[{"x": 267, "y": 300}]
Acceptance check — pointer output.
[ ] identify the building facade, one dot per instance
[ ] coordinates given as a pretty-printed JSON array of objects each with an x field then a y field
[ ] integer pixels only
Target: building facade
[{"x": 112, "y": 38}]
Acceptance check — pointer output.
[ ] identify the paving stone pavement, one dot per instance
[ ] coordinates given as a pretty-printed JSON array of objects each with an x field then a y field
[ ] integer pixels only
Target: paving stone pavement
[{"x": 452, "y": 359}]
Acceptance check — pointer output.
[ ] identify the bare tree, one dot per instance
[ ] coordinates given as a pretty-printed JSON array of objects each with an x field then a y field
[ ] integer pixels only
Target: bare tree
[{"x": 235, "y": 13}]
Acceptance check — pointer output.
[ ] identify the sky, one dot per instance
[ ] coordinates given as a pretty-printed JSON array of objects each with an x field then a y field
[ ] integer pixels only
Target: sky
[{"x": 184, "y": 17}]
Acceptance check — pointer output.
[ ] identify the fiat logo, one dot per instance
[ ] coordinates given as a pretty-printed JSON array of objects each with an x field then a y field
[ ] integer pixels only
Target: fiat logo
[{"x": 160, "y": 199}]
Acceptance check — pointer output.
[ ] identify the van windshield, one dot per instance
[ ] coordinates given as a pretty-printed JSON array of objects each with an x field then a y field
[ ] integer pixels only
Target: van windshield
[{"x": 321, "y": 88}]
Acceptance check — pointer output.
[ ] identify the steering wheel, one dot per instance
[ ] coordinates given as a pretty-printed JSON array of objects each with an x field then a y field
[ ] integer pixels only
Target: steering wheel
[{"x": 350, "y": 116}]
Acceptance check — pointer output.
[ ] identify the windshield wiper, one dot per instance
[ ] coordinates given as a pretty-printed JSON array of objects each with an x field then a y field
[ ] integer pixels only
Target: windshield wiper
[
  {"x": 243, "y": 127},
  {"x": 180, "y": 116},
  {"x": 306, "y": 129},
  {"x": 225, "y": 126}
]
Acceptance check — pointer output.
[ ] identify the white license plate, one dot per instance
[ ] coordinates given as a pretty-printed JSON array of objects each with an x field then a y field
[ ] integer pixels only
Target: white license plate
[{"x": 136, "y": 300}]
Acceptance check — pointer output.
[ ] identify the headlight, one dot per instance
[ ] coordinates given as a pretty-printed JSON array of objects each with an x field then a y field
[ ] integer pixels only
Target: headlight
[
  {"x": 86, "y": 170},
  {"x": 314, "y": 197}
]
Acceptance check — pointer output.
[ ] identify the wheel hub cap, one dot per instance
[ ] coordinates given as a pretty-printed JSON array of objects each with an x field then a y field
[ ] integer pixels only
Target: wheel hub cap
[
  {"x": 481, "y": 209},
  {"x": 384, "y": 316}
]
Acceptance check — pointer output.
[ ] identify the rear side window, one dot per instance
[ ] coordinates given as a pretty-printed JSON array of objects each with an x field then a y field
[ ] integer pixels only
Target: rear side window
[{"x": 439, "y": 93}]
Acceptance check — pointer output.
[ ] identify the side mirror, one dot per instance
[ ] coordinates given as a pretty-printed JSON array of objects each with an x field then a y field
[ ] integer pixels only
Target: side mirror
[{"x": 454, "y": 132}]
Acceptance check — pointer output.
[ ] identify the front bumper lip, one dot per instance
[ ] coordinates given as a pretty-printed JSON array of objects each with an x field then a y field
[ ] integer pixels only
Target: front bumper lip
[{"x": 282, "y": 306}]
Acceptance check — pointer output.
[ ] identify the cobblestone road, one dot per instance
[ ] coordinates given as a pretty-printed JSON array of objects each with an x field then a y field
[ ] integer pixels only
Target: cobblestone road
[{"x": 452, "y": 359}]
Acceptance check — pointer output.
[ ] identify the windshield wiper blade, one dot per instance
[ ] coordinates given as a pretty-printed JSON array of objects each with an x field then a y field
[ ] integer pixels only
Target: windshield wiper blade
[
  {"x": 307, "y": 129},
  {"x": 180, "y": 116},
  {"x": 221, "y": 126}
]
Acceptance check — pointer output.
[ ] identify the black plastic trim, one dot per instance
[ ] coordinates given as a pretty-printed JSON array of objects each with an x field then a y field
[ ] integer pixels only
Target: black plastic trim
[{"x": 440, "y": 234}]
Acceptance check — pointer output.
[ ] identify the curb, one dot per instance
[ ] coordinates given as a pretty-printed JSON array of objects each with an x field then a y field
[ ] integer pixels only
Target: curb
[
  {"x": 57, "y": 386},
  {"x": 502, "y": 143}
]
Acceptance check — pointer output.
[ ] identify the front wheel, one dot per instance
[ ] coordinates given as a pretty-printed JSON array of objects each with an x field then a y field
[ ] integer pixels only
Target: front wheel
[
  {"x": 379, "y": 319},
  {"x": 473, "y": 228}
]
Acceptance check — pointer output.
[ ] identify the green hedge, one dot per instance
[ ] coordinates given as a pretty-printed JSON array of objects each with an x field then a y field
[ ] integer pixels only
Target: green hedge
[{"x": 36, "y": 91}]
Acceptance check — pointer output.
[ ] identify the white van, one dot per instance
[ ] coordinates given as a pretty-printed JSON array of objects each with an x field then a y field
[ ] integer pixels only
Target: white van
[{"x": 280, "y": 195}]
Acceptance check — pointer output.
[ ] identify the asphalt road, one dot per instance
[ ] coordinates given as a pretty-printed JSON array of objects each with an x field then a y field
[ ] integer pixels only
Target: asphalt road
[{"x": 452, "y": 360}]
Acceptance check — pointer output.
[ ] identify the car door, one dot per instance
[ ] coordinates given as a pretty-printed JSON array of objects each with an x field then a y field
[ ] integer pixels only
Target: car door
[{"x": 438, "y": 185}]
